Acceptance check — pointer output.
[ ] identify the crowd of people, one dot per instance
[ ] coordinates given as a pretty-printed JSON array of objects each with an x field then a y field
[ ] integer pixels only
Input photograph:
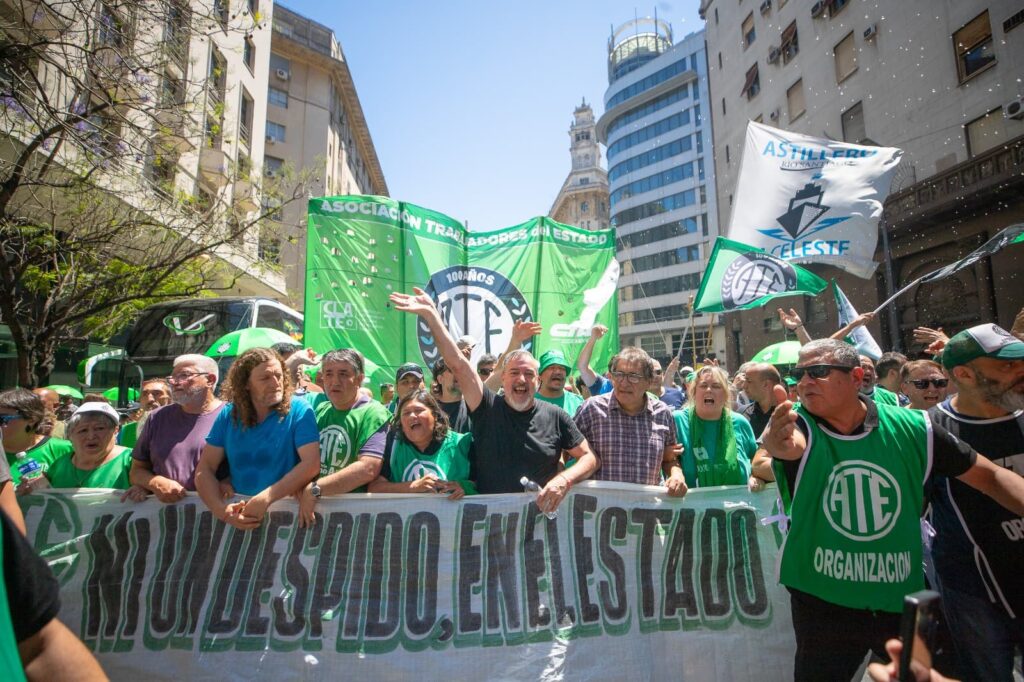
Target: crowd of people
[{"x": 862, "y": 449}]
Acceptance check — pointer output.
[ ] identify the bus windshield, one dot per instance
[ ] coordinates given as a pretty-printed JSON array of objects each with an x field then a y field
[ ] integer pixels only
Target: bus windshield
[{"x": 167, "y": 330}]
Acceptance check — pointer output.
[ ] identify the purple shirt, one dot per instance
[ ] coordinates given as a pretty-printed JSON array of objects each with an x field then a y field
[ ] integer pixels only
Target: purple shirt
[
  {"x": 172, "y": 440},
  {"x": 631, "y": 447}
]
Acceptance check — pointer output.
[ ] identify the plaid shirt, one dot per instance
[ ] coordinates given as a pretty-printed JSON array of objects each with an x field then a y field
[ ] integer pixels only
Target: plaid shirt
[{"x": 630, "y": 447}]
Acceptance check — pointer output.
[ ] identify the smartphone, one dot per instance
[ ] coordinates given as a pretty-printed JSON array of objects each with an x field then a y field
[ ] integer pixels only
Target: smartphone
[{"x": 922, "y": 613}]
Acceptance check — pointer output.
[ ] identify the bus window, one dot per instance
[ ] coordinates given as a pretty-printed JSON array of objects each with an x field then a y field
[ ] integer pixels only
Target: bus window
[
  {"x": 168, "y": 330},
  {"x": 272, "y": 317}
]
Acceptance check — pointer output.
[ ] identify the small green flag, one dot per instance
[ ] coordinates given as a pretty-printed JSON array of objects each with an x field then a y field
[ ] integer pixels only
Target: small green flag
[{"x": 739, "y": 277}]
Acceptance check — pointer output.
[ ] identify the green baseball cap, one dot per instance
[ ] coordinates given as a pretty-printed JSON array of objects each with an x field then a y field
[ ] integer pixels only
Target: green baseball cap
[
  {"x": 553, "y": 357},
  {"x": 983, "y": 341}
]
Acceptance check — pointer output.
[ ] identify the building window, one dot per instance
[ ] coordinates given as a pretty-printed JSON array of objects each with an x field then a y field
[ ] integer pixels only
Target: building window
[
  {"x": 727, "y": 159},
  {"x": 279, "y": 98},
  {"x": 584, "y": 207},
  {"x": 254, "y": 7},
  {"x": 853, "y": 124},
  {"x": 719, "y": 60},
  {"x": 249, "y": 54},
  {"x": 790, "y": 45},
  {"x": 973, "y": 45},
  {"x": 985, "y": 132},
  {"x": 245, "y": 124},
  {"x": 269, "y": 249},
  {"x": 846, "y": 58},
  {"x": 723, "y": 106},
  {"x": 272, "y": 166},
  {"x": 795, "y": 100},
  {"x": 275, "y": 132},
  {"x": 222, "y": 12},
  {"x": 836, "y": 6},
  {"x": 749, "y": 34},
  {"x": 752, "y": 85},
  {"x": 279, "y": 63}
]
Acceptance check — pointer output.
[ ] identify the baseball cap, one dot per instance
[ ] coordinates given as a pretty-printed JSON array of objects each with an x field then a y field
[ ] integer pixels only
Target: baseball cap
[
  {"x": 982, "y": 341},
  {"x": 408, "y": 368},
  {"x": 102, "y": 408},
  {"x": 553, "y": 357},
  {"x": 466, "y": 341}
]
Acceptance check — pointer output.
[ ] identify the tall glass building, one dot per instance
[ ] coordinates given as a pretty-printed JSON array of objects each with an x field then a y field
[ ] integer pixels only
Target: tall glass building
[{"x": 657, "y": 132}]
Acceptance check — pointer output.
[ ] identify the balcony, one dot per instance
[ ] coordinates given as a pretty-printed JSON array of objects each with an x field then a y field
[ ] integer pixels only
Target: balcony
[
  {"x": 172, "y": 136},
  {"x": 972, "y": 186},
  {"x": 213, "y": 166},
  {"x": 246, "y": 195},
  {"x": 175, "y": 52}
]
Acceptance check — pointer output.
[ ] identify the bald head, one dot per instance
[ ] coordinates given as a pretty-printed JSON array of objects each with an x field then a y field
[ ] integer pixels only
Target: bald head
[
  {"x": 49, "y": 397},
  {"x": 761, "y": 377}
]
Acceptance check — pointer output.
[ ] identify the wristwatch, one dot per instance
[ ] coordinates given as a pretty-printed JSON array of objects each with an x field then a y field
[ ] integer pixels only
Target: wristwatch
[{"x": 316, "y": 490}]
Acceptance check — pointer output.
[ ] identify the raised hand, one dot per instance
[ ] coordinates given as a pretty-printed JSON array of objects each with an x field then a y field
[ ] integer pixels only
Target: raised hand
[
  {"x": 598, "y": 331},
  {"x": 790, "y": 320},
  {"x": 418, "y": 303},
  {"x": 522, "y": 330}
]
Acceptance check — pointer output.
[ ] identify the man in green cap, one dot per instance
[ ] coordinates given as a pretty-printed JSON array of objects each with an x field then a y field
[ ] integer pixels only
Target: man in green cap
[{"x": 553, "y": 370}]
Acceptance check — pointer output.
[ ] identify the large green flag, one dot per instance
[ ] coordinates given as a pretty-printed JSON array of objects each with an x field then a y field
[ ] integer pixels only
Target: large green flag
[
  {"x": 739, "y": 277},
  {"x": 360, "y": 249}
]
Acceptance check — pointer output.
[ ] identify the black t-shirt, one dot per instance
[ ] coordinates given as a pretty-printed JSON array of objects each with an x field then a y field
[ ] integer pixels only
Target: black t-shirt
[
  {"x": 509, "y": 444},
  {"x": 458, "y": 416},
  {"x": 950, "y": 456},
  {"x": 32, "y": 592},
  {"x": 757, "y": 417}
]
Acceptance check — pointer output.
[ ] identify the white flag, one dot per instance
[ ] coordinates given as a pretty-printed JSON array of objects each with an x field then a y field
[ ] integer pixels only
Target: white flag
[
  {"x": 811, "y": 200},
  {"x": 859, "y": 337}
]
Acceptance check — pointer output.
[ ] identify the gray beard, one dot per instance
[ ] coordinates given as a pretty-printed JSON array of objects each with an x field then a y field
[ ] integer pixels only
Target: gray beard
[{"x": 1011, "y": 399}]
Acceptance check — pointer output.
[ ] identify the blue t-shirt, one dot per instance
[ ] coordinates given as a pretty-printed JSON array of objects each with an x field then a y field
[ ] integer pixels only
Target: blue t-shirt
[
  {"x": 600, "y": 385},
  {"x": 673, "y": 397},
  {"x": 261, "y": 455}
]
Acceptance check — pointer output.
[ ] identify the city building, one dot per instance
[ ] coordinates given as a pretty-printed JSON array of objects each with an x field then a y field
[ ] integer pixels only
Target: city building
[
  {"x": 315, "y": 125},
  {"x": 657, "y": 136},
  {"x": 157, "y": 103},
  {"x": 583, "y": 199},
  {"x": 940, "y": 81}
]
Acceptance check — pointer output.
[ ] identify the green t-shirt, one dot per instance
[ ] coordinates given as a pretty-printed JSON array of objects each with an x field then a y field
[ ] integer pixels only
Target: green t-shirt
[
  {"x": 883, "y": 396},
  {"x": 696, "y": 461},
  {"x": 112, "y": 474},
  {"x": 129, "y": 435},
  {"x": 343, "y": 432},
  {"x": 448, "y": 460},
  {"x": 570, "y": 402},
  {"x": 46, "y": 453},
  {"x": 855, "y": 536}
]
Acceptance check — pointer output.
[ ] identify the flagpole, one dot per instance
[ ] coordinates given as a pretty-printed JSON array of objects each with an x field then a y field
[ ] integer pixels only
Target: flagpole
[
  {"x": 897, "y": 294},
  {"x": 895, "y": 339}
]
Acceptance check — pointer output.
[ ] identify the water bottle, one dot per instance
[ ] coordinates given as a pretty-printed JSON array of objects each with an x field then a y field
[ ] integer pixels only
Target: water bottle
[
  {"x": 31, "y": 471},
  {"x": 532, "y": 487}
]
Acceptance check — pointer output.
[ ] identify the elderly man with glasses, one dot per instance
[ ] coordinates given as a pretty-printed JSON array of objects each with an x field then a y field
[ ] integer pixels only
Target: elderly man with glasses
[
  {"x": 853, "y": 479},
  {"x": 632, "y": 432},
  {"x": 165, "y": 457}
]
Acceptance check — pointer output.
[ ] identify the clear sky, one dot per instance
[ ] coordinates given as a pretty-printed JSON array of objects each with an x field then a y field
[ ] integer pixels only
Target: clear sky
[{"x": 469, "y": 103}]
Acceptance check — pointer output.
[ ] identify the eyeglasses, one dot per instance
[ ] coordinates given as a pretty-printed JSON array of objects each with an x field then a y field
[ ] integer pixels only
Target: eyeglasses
[
  {"x": 631, "y": 378},
  {"x": 6, "y": 419},
  {"x": 922, "y": 384},
  {"x": 183, "y": 377},
  {"x": 817, "y": 371},
  {"x": 485, "y": 372}
]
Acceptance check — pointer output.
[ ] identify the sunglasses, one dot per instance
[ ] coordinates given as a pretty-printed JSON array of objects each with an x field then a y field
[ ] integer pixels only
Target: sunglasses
[
  {"x": 922, "y": 384},
  {"x": 6, "y": 419},
  {"x": 485, "y": 372},
  {"x": 817, "y": 371}
]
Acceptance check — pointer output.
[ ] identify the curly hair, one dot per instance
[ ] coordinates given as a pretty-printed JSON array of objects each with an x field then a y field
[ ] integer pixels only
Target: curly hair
[
  {"x": 236, "y": 386},
  {"x": 441, "y": 427}
]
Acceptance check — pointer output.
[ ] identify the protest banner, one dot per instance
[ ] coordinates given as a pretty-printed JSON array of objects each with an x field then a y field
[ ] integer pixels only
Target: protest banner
[
  {"x": 360, "y": 249},
  {"x": 625, "y": 583},
  {"x": 739, "y": 277},
  {"x": 811, "y": 200}
]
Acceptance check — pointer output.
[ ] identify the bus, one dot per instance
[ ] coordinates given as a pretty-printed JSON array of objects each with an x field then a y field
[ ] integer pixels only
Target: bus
[{"x": 166, "y": 330}]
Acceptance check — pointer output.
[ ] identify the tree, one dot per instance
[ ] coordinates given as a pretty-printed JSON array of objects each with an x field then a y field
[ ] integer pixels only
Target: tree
[{"x": 122, "y": 181}]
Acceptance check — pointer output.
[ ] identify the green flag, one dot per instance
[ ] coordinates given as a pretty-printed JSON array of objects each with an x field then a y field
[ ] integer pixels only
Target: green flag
[
  {"x": 360, "y": 249},
  {"x": 738, "y": 277}
]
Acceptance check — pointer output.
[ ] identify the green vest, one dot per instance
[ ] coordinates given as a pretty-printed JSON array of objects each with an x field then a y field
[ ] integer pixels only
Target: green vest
[
  {"x": 449, "y": 463},
  {"x": 10, "y": 661},
  {"x": 855, "y": 536},
  {"x": 344, "y": 432},
  {"x": 883, "y": 396}
]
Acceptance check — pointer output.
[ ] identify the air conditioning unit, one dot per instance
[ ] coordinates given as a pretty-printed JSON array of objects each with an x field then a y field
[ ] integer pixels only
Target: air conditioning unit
[
  {"x": 773, "y": 55},
  {"x": 270, "y": 140},
  {"x": 1015, "y": 109},
  {"x": 774, "y": 115},
  {"x": 870, "y": 32},
  {"x": 766, "y": 6},
  {"x": 818, "y": 9},
  {"x": 283, "y": 74}
]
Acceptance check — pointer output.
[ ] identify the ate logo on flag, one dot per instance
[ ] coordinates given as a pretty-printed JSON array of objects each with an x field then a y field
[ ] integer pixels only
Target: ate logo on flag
[
  {"x": 753, "y": 275},
  {"x": 477, "y": 301}
]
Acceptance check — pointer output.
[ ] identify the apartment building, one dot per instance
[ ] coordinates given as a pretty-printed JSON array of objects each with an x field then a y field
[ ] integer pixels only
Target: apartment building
[{"x": 938, "y": 79}]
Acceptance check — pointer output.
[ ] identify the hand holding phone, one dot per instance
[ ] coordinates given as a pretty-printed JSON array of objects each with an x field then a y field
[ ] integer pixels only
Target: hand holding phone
[{"x": 922, "y": 613}]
